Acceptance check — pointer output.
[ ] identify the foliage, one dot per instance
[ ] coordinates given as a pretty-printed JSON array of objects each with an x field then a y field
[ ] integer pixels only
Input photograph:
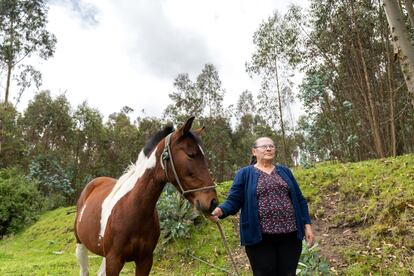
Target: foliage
[
  {"x": 310, "y": 262},
  {"x": 47, "y": 126},
  {"x": 277, "y": 52},
  {"x": 123, "y": 142},
  {"x": 54, "y": 182},
  {"x": 90, "y": 141},
  {"x": 176, "y": 215},
  {"x": 204, "y": 97},
  {"x": 23, "y": 34},
  {"x": 20, "y": 202},
  {"x": 11, "y": 141},
  {"x": 356, "y": 102}
]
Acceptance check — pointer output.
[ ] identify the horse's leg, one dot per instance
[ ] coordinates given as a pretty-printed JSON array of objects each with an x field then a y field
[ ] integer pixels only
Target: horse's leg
[
  {"x": 143, "y": 265},
  {"x": 102, "y": 269},
  {"x": 113, "y": 265},
  {"x": 82, "y": 256}
]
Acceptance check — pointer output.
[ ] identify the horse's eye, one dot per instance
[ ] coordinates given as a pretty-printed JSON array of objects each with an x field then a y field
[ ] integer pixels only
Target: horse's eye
[{"x": 191, "y": 154}]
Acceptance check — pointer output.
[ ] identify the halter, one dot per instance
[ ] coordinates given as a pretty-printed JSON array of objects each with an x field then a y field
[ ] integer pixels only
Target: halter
[{"x": 165, "y": 156}]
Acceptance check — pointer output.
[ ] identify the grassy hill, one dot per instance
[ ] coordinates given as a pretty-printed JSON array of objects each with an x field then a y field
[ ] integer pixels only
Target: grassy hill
[
  {"x": 363, "y": 214},
  {"x": 48, "y": 248}
]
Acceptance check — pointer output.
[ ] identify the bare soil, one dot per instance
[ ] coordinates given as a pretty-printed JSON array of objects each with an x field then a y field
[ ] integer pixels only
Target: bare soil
[{"x": 333, "y": 237}]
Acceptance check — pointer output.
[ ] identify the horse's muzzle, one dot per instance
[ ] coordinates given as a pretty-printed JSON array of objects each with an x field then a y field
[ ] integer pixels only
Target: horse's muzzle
[
  {"x": 204, "y": 209},
  {"x": 213, "y": 205}
]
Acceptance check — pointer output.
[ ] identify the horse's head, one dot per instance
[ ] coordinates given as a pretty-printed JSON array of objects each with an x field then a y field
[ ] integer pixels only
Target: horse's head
[{"x": 191, "y": 177}]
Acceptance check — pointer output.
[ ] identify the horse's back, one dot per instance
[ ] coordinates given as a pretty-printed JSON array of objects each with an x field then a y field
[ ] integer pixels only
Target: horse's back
[
  {"x": 97, "y": 186},
  {"x": 89, "y": 207}
]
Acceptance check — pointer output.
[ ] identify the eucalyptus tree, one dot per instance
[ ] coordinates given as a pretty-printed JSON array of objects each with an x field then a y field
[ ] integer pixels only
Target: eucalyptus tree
[
  {"x": 209, "y": 86},
  {"x": 47, "y": 126},
  {"x": 403, "y": 47},
  {"x": 122, "y": 136},
  {"x": 351, "y": 74},
  {"x": 90, "y": 138},
  {"x": 12, "y": 147},
  {"x": 23, "y": 34},
  {"x": 245, "y": 131},
  {"x": 245, "y": 104},
  {"x": 202, "y": 97},
  {"x": 277, "y": 52}
]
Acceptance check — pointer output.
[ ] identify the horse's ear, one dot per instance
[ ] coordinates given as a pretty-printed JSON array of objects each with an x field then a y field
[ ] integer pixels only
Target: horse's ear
[
  {"x": 187, "y": 126},
  {"x": 199, "y": 131}
]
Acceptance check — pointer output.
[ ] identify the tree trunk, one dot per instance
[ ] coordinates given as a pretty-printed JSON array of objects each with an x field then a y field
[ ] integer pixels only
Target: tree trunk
[
  {"x": 282, "y": 126},
  {"x": 370, "y": 93},
  {"x": 9, "y": 69},
  {"x": 388, "y": 54},
  {"x": 402, "y": 45},
  {"x": 410, "y": 11},
  {"x": 9, "y": 62}
]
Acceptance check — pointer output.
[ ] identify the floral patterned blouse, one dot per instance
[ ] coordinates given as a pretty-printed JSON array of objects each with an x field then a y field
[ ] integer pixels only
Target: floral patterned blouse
[{"x": 276, "y": 213}]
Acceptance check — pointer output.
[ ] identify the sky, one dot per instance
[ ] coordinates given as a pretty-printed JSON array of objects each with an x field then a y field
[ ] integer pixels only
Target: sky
[{"x": 128, "y": 52}]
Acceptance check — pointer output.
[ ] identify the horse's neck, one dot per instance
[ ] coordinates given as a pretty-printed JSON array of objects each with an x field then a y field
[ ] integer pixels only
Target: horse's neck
[{"x": 147, "y": 190}]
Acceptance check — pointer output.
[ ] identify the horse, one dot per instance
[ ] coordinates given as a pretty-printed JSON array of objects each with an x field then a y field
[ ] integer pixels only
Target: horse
[{"x": 118, "y": 220}]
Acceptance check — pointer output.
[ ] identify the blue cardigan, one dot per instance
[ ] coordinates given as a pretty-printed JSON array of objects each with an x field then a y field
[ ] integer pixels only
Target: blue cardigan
[{"x": 243, "y": 195}]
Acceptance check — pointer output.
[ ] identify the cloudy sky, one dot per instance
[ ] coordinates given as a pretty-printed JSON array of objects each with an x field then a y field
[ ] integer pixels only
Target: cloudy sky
[{"x": 128, "y": 52}]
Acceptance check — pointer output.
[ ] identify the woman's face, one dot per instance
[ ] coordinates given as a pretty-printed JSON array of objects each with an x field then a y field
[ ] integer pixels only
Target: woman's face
[{"x": 264, "y": 150}]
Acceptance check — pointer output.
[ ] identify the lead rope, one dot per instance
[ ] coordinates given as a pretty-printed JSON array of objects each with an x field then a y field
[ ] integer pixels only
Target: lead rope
[
  {"x": 166, "y": 155},
  {"x": 227, "y": 248}
]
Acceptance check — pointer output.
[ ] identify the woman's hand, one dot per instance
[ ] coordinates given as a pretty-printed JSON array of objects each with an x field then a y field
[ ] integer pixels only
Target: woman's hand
[
  {"x": 214, "y": 217},
  {"x": 309, "y": 237}
]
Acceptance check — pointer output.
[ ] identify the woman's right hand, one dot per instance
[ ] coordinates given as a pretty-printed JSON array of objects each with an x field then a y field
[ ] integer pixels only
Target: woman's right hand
[{"x": 214, "y": 217}]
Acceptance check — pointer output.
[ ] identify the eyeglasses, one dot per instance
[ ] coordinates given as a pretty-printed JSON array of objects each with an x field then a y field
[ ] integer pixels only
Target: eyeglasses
[{"x": 265, "y": 147}]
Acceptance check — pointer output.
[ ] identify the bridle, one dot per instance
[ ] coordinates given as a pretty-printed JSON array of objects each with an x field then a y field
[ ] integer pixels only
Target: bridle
[{"x": 165, "y": 156}]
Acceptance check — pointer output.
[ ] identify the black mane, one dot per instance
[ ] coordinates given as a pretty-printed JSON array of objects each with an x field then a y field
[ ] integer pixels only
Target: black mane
[{"x": 156, "y": 138}]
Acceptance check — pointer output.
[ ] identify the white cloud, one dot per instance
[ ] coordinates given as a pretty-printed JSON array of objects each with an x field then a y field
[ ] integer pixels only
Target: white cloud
[{"x": 128, "y": 52}]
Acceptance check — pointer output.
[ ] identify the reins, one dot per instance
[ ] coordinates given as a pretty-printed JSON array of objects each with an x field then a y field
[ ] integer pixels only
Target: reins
[{"x": 165, "y": 156}]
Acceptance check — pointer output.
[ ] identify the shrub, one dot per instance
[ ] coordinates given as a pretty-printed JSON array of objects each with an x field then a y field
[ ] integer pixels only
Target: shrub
[
  {"x": 54, "y": 183},
  {"x": 20, "y": 201},
  {"x": 311, "y": 263},
  {"x": 175, "y": 213}
]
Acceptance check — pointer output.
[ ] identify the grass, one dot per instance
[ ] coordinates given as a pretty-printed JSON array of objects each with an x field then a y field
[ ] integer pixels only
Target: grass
[
  {"x": 48, "y": 248},
  {"x": 373, "y": 198}
]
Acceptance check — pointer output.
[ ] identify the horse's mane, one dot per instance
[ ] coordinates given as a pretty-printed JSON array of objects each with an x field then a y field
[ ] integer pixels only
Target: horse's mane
[{"x": 156, "y": 138}]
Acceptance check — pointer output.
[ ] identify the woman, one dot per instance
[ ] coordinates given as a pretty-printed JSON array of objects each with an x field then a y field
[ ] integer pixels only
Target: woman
[{"x": 274, "y": 215}]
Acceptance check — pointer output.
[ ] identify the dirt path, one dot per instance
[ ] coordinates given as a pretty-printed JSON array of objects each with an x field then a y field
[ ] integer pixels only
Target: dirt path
[{"x": 333, "y": 237}]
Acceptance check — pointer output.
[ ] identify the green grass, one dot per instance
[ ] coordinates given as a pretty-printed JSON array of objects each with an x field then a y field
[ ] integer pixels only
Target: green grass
[
  {"x": 376, "y": 198},
  {"x": 48, "y": 248}
]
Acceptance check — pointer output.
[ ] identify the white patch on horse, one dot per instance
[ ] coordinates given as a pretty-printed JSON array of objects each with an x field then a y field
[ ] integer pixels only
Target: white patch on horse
[
  {"x": 80, "y": 216},
  {"x": 82, "y": 256},
  {"x": 202, "y": 151},
  {"x": 125, "y": 184}
]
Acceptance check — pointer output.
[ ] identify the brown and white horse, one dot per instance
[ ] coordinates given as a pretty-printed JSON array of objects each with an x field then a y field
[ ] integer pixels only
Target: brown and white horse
[{"x": 118, "y": 219}]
